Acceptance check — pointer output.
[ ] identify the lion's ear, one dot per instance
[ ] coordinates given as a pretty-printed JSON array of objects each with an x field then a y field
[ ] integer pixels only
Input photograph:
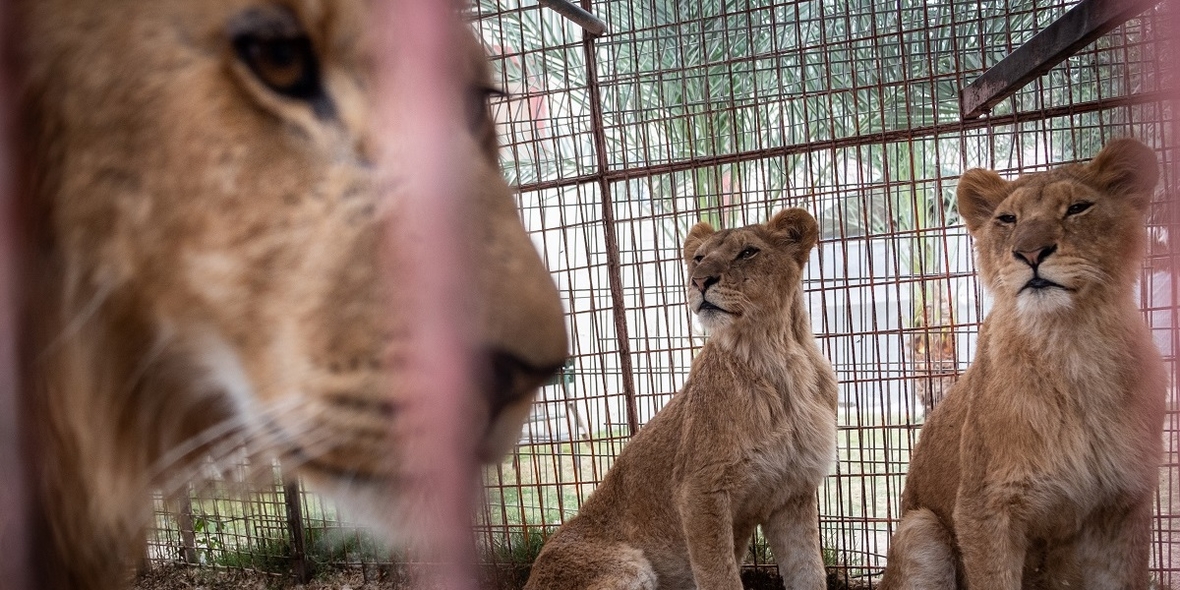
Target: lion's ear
[
  {"x": 797, "y": 229},
  {"x": 696, "y": 236},
  {"x": 1126, "y": 168},
  {"x": 980, "y": 192}
]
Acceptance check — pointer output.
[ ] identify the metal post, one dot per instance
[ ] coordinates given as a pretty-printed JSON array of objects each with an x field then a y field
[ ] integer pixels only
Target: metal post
[
  {"x": 613, "y": 265},
  {"x": 15, "y": 557},
  {"x": 184, "y": 521},
  {"x": 300, "y": 566}
]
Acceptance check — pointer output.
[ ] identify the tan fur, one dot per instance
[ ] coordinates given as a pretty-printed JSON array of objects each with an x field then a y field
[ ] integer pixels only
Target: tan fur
[
  {"x": 1037, "y": 470},
  {"x": 745, "y": 443},
  {"x": 206, "y": 269}
]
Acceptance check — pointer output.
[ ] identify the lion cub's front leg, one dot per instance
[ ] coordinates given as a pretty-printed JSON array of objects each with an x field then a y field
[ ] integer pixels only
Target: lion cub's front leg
[
  {"x": 991, "y": 537},
  {"x": 707, "y": 518},
  {"x": 1111, "y": 550},
  {"x": 794, "y": 525}
]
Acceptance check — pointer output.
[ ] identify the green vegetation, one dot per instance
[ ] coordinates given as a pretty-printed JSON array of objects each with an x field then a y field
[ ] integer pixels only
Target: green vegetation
[
  {"x": 252, "y": 533},
  {"x": 509, "y": 559}
]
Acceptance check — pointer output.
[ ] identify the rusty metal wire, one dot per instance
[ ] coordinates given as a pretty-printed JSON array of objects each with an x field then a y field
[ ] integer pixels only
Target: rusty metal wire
[
  {"x": 727, "y": 111},
  {"x": 15, "y": 558}
]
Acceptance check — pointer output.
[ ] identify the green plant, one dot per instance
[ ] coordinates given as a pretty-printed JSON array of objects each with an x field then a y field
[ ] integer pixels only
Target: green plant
[
  {"x": 509, "y": 559},
  {"x": 207, "y": 538},
  {"x": 335, "y": 545},
  {"x": 519, "y": 547},
  {"x": 264, "y": 554}
]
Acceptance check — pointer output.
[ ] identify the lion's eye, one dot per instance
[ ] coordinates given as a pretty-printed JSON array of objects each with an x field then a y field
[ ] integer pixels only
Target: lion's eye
[
  {"x": 1006, "y": 218},
  {"x": 698, "y": 258},
  {"x": 271, "y": 47},
  {"x": 1078, "y": 207},
  {"x": 286, "y": 65},
  {"x": 749, "y": 252}
]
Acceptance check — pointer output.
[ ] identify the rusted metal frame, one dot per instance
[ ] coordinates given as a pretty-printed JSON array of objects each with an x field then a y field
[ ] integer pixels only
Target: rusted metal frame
[
  {"x": 184, "y": 522},
  {"x": 884, "y": 137},
  {"x": 614, "y": 266},
  {"x": 663, "y": 308},
  {"x": 300, "y": 566},
  {"x": 592, "y": 25},
  {"x": 653, "y": 404},
  {"x": 1082, "y": 24},
  {"x": 944, "y": 235},
  {"x": 16, "y": 571}
]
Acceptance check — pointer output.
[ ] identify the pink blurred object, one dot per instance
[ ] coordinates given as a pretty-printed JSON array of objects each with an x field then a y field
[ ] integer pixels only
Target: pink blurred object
[{"x": 415, "y": 41}]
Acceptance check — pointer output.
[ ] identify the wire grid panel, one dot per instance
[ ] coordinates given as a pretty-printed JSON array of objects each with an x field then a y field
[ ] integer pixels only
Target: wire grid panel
[
  {"x": 728, "y": 111},
  {"x": 239, "y": 521},
  {"x": 226, "y": 523}
]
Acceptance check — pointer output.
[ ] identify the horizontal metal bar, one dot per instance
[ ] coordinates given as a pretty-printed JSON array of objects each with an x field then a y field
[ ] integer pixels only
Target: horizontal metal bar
[
  {"x": 589, "y": 23},
  {"x": 843, "y": 142},
  {"x": 1078, "y": 27}
]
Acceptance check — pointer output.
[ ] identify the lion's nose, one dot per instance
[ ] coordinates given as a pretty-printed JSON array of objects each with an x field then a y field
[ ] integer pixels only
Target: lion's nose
[
  {"x": 509, "y": 387},
  {"x": 512, "y": 378},
  {"x": 702, "y": 284},
  {"x": 1035, "y": 256}
]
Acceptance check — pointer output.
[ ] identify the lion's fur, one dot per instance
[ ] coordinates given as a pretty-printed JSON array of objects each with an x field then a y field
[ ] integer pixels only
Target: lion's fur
[
  {"x": 746, "y": 442},
  {"x": 205, "y": 268},
  {"x": 1038, "y": 469}
]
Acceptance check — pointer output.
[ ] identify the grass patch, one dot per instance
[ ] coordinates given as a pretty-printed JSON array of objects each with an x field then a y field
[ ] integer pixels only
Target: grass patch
[{"x": 509, "y": 559}]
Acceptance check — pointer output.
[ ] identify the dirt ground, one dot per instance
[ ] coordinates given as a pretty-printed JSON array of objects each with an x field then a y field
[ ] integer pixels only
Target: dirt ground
[{"x": 212, "y": 579}]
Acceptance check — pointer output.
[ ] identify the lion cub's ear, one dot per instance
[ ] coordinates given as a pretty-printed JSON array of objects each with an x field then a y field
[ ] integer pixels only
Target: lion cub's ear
[
  {"x": 796, "y": 229},
  {"x": 1126, "y": 168},
  {"x": 980, "y": 192},
  {"x": 696, "y": 236}
]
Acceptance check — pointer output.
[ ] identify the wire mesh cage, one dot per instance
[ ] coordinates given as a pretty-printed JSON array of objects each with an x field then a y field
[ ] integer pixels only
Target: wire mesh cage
[{"x": 727, "y": 111}]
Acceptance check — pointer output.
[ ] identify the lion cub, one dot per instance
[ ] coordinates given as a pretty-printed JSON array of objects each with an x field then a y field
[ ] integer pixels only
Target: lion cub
[
  {"x": 745, "y": 443},
  {"x": 1037, "y": 470}
]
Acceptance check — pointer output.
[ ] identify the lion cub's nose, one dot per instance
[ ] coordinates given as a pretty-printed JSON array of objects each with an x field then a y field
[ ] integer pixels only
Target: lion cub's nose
[
  {"x": 1034, "y": 256},
  {"x": 703, "y": 283}
]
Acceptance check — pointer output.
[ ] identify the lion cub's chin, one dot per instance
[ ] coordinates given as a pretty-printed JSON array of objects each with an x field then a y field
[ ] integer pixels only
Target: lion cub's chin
[
  {"x": 1038, "y": 303},
  {"x": 711, "y": 321}
]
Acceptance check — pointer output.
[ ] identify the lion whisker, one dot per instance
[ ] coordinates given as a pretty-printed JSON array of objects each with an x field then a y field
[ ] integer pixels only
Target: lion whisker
[
  {"x": 220, "y": 431},
  {"x": 85, "y": 314},
  {"x": 261, "y": 432}
]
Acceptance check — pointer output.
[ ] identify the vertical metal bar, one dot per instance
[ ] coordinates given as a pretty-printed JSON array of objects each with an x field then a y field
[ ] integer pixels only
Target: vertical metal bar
[
  {"x": 184, "y": 522},
  {"x": 613, "y": 265},
  {"x": 300, "y": 566},
  {"x": 1168, "y": 506},
  {"x": 15, "y": 557}
]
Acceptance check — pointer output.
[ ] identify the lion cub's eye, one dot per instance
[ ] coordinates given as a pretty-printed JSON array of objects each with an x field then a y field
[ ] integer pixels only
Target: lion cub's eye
[
  {"x": 749, "y": 252},
  {"x": 273, "y": 45},
  {"x": 698, "y": 258},
  {"x": 1006, "y": 218},
  {"x": 1078, "y": 207},
  {"x": 286, "y": 65}
]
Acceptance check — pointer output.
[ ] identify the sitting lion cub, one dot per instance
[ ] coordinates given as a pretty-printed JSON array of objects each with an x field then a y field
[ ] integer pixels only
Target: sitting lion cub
[
  {"x": 1037, "y": 471},
  {"x": 746, "y": 442}
]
